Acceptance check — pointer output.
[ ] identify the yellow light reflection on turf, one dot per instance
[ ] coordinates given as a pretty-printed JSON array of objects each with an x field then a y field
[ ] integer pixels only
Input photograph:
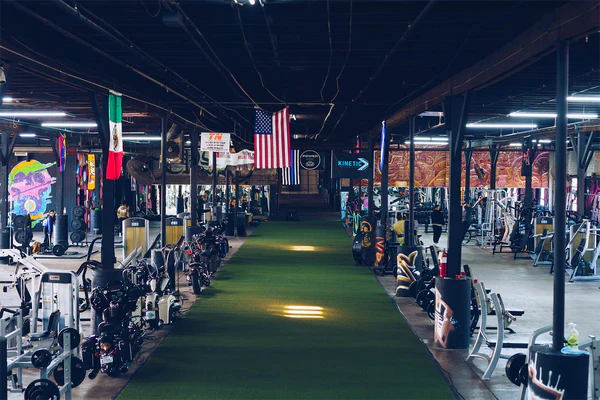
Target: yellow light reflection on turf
[
  {"x": 303, "y": 312},
  {"x": 302, "y": 248}
]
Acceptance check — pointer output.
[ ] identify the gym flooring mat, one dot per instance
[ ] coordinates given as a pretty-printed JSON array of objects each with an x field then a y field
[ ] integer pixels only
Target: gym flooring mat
[{"x": 291, "y": 317}]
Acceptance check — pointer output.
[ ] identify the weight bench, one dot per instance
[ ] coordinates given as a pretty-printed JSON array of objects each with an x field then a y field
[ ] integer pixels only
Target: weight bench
[{"x": 503, "y": 319}]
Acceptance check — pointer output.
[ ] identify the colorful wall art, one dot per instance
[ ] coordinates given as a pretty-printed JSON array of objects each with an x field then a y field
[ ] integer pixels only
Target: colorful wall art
[
  {"x": 29, "y": 187},
  {"x": 432, "y": 169}
]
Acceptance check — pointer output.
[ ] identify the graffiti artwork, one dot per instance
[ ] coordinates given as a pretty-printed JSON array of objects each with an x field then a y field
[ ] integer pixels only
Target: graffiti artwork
[
  {"x": 432, "y": 169},
  {"x": 29, "y": 187}
]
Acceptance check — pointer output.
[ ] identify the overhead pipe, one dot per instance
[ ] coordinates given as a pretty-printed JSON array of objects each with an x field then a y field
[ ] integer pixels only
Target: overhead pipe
[
  {"x": 106, "y": 55},
  {"x": 407, "y": 33}
]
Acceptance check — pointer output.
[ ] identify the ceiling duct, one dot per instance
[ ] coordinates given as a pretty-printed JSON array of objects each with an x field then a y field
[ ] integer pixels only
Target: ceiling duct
[{"x": 174, "y": 148}]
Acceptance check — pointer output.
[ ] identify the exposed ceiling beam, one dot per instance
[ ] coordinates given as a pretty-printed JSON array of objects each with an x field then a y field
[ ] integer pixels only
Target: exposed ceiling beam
[{"x": 569, "y": 22}]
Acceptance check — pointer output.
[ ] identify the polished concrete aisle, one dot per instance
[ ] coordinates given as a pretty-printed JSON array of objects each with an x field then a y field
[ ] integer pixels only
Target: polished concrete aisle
[{"x": 291, "y": 317}]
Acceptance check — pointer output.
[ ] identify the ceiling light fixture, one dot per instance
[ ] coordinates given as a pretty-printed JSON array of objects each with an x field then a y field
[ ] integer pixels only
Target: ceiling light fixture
[
  {"x": 7, "y": 99},
  {"x": 67, "y": 124},
  {"x": 27, "y": 135},
  {"x": 584, "y": 99},
  {"x": 552, "y": 115},
  {"x": 25, "y": 114},
  {"x": 436, "y": 114},
  {"x": 501, "y": 126},
  {"x": 515, "y": 145},
  {"x": 142, "y": 138},
  {"x": 252, "y": 2},
  {"x": 544, "y": 141}
]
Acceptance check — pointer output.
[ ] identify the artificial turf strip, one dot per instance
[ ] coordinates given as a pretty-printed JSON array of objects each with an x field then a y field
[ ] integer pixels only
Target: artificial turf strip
[{"x": 235, "y": 342}]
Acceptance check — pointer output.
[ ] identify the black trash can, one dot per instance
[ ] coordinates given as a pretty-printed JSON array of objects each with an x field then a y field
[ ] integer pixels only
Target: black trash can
[
  {"x": 4, "y": 243},
  {"x": 230, "y": 227},
  {"x": 241, "y": 223},
  {"x": 96, "y": 221},
  {"x": 61, "y": 229}
]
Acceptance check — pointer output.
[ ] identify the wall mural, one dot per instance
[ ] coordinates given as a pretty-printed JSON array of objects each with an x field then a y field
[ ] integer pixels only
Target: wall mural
[
  {"x": 29, "y": 187},
  {"x": 432, "y": 169}
]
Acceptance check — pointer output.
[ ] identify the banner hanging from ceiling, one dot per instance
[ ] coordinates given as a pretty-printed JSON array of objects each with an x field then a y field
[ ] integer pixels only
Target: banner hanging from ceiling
[
  {"x": 346, "y": 165},
  {"x": 210, "y": 141},
  {"x": 312, "y": 160}
]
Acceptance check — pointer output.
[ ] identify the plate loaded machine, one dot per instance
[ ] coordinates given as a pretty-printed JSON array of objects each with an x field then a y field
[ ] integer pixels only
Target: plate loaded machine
[
  {"x": 504, "y": 318},
  {"x": 53, "y": 350},
  {"x": 583, "y": 249}
]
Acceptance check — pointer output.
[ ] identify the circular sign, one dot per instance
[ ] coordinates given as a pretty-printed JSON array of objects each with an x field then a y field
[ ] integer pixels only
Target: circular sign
[{"x": 310, "y": 160}]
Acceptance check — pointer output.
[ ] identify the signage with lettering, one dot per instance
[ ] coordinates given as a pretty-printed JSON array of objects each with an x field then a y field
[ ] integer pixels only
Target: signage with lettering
[
  {"x": 312, "y": 160},
  {"x": 346, "y": 165},
  {"x": 210, "y": 141}
]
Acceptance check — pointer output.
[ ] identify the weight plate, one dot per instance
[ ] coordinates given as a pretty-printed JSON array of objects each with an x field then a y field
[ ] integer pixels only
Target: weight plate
[
  {"x": 42, "y": 389},
  {"x": 75, "y": 339},
  {"x": 64, "y": 243},
  {"x": 78, "y": 211},
  {"x": 513, "y": 367},
  {"x": 77, "y": 237},
  {"x": 58, "y": 250},
  {"x": 524, "y": 374},
  {"x": 41, "y": 358},
  {"x": 77, "y": 372},
  {"x": 23, "y": 236},
  {"x": 77, "y": 225},
  {"x": 21, "y": 222}
]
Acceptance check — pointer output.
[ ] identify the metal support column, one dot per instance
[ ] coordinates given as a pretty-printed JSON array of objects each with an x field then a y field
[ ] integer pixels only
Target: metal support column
[
  {"x": 409, "y": 236},
  {"x": 4, "y": 172},
  {"x": 385, "y": 153},
  {"x": 60, "y": 184},
  {"x": 237, "y": 196},
  {"x": 194, "y": 179},
  {"x": 455, "y": 112},
  {"x": 468, "y": 158},
  {"x": 215, "y": 176},
  {"x": 493, "y": 163},
  {"x": 163, "y": 181},
  {"x": 370, "y": 188},
  {"x": 584, "y": 153},
  {"x": 560, "y": 199}
]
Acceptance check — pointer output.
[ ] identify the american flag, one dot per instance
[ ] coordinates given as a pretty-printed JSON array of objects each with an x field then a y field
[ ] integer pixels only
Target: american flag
[
  {"x": 272, "y": 139},
  {"x": 291, "y": 175}
]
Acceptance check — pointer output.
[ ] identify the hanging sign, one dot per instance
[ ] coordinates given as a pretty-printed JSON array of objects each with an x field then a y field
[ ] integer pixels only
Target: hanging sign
[
  {"x": 91, "y": 169},
  {"x": 312, "y": 160},
  {"x": 346, "y": 165},
  {"x": 234, "y": 159},
  {"x": 210, "y": 141}
]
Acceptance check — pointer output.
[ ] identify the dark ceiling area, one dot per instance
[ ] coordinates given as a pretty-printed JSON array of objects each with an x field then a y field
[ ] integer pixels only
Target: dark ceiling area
[{"x": 341, "y": 66}]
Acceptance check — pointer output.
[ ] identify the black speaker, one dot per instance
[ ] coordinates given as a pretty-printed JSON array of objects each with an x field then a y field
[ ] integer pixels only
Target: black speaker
[
  {"x": 78, "y": 225},
  {"x": 23, "y": 233}
]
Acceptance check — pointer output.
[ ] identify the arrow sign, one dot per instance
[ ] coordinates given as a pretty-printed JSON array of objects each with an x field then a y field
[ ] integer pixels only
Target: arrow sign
[
  {"x": 348, "y": 165},
  {"x": 365, "y": 164}
]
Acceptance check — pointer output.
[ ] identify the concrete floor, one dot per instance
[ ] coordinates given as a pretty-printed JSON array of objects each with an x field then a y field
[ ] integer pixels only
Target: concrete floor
[
  {"x": 521, "y": 286},
  {"x": 104, "y": 387}
]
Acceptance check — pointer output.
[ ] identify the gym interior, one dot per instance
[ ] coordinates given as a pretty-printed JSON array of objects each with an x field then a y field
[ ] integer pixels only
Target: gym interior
[{"x": 295, "y": 199}]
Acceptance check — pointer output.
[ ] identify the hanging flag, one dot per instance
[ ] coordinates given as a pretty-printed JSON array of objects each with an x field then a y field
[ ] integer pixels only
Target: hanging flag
[
  {"x": 382, "y": 145},
  {"x": 115, "y": 147},
  {"x": 91, "y": 169},
  {"x": 272, "y": 139},
  {"x": 291, "y": 175},
  {"x": 62, "y": 152},
  {"x": 357, "y": 145}
]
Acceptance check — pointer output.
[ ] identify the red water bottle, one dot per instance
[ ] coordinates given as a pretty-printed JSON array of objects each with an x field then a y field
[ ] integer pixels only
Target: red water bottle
[{"x": 443, "y": 264}]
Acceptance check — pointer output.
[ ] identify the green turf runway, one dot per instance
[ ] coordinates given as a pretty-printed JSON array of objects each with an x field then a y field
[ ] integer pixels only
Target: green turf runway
[{"x": 238, "y": 341}]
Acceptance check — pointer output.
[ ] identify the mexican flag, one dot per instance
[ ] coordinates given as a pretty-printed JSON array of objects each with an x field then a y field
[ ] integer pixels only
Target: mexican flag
[{"x": 115, "y": 147}]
